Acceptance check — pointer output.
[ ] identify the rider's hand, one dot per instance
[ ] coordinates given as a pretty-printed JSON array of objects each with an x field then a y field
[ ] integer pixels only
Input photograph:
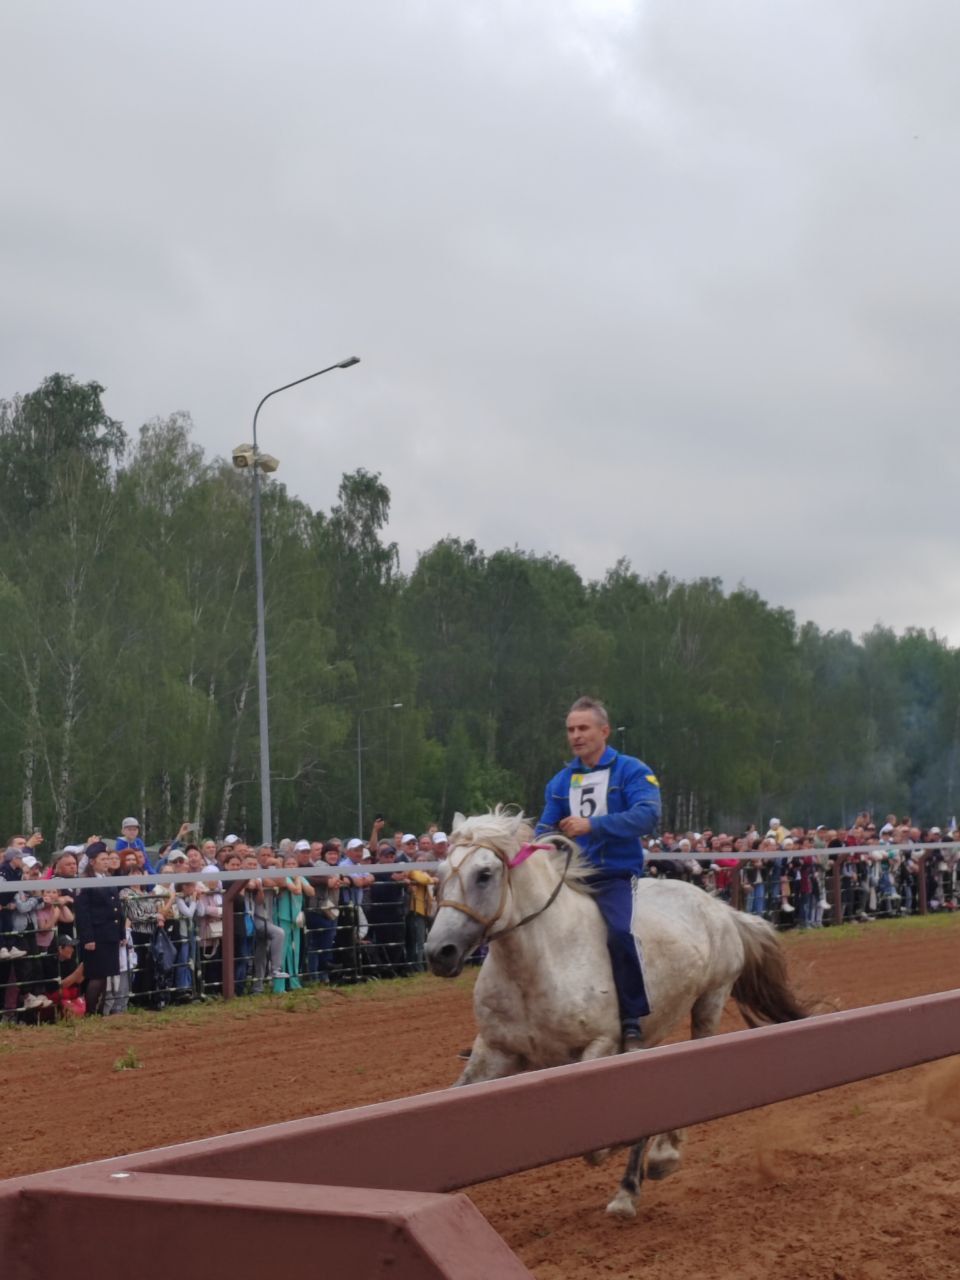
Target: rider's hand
[{"x": 573, "y": 827}]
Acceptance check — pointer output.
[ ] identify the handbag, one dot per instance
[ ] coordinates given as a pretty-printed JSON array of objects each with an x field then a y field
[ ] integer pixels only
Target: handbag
[{"x": 164, "y": 952}]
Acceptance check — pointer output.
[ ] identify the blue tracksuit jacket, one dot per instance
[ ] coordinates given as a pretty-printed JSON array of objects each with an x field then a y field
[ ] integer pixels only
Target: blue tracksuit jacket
[{"x": 632, "y": 809}]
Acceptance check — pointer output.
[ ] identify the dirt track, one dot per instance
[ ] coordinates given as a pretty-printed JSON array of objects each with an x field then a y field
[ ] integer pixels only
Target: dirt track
[{"x": 861, "y": 1183}]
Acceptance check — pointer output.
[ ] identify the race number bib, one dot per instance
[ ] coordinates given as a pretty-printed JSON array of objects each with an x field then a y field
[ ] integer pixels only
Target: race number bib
[{"x": 588, "y": 794}]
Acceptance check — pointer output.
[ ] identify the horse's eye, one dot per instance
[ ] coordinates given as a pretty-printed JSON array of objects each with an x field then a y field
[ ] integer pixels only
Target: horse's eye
[{"x": 484, "y": 875}]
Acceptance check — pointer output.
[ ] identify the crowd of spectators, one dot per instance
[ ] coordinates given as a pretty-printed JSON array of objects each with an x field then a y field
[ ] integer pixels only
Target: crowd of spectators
[
  {"x": 785, "y": 874},
  {"x": 154, "y": 944},
  {"x": 74, "y": 952}
]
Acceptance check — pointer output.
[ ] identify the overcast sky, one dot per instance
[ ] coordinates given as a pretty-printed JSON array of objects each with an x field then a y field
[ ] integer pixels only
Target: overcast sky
[{"x": 675, "y": 280}]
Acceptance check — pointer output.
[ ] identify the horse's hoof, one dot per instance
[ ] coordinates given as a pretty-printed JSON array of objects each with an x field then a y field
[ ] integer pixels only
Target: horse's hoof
[
  {"x": 662, "y": 1168},
  {"x": 596, "y": 1158},
  {"x": 622, "y": 1206}
]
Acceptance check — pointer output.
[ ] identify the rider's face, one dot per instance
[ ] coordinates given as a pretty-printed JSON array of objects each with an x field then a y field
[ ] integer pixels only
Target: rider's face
[{"x": 587, "y": 735}]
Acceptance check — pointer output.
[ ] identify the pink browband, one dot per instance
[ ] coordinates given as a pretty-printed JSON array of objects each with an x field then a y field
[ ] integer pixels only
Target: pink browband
[{"x": 524, "y": 853}]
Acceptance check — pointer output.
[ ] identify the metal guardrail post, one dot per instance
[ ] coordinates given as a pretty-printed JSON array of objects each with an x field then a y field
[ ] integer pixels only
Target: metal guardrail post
[
  {"x": 837, "y": 891},
  {"x": 922, "y": 905},
  {"x": 227, "y": 942}
]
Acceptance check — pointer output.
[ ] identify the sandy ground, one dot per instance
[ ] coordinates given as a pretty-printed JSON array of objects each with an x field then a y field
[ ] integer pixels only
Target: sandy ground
[{"x": 861, "y": 1183}]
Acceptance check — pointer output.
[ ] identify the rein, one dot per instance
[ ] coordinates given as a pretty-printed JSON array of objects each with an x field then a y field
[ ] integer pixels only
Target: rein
[{"x": 519, "y": 857}]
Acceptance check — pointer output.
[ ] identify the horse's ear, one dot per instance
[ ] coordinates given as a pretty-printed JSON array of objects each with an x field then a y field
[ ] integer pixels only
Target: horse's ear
[{"x": 458, "y": 821}]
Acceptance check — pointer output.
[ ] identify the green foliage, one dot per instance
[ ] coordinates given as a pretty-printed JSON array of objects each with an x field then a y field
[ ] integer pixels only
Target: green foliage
[
  {"x": 127, "y": 661},
  {"x": 128, "y": 1061}
]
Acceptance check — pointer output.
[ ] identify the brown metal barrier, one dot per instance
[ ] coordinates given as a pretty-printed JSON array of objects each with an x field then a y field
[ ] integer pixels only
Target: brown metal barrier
[{"x": 385, "y": 1216}]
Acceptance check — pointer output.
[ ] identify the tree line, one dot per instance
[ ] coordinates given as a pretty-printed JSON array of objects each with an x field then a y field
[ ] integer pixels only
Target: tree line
[{"x": 128, "y": 660}]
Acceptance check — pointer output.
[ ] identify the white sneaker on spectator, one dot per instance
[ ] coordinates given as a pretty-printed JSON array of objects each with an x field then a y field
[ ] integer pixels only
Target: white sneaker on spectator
[
  {"x": 279, "y": 973},
  {"x": 36, "y": 1002},
  {"x": 786, "y": 906},
  {"x": 11, "y": 953}
]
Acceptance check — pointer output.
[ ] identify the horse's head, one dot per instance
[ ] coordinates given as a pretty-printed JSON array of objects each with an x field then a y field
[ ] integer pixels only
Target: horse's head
[{"x": 474, "y": 886}]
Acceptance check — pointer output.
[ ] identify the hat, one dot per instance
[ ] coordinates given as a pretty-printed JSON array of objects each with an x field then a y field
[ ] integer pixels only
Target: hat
[
  {"x": 130, "y": 822},
  {"x": 75, "y": 849},
  {"x": 232, "y": 840},
  {"x": 177, "y": 856},
  {"x": 355, "y": 843},
  {"x": 302, "y": 846},
  {"x": 407, "y": 838},
  {"x": 386, "y": 848},
  {"x": 439, "y": 837},
  {"x": 774, "y": 822},
  {"x": 932, "y": 831},
  {"x": 28, "y": 860},
  {"x": 886, "y": 829},
  {"x": 65, "y": 940}
]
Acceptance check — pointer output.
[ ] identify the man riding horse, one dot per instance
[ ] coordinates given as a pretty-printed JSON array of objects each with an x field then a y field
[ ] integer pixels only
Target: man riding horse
[{"x": 606, "y": 801}]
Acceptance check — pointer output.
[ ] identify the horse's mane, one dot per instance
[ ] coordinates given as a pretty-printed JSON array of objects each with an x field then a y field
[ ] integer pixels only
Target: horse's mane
[{"x": 505, "y": 828}]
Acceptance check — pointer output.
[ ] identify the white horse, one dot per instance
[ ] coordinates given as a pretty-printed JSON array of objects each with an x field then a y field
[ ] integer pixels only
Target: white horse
[{"x": 545, "y": 995}]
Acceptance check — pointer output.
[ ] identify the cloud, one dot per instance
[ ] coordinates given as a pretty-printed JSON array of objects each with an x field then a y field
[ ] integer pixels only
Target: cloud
[{"x": 667, "y": 282}]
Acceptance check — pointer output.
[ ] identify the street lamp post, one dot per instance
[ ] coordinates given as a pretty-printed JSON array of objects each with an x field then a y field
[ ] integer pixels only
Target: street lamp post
[
  {"x": 245, "y": 456},
  {"x": 389, "y": 706},
  {"x": 622, "y": 730}
]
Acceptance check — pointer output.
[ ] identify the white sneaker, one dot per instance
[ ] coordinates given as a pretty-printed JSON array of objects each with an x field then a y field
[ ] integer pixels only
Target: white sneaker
[
  {"x": 4, "y": 953},
  {"x": 786, "y": 906},
  {"x": 14, "y": 953},
  {"x": 279, "y": 973},
  {"x": 826, "y": 906},
  {"x": 36, "y": 1002}
]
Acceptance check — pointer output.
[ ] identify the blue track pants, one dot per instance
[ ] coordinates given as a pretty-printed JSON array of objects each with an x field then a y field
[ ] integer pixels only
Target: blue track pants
[{"x": 614, "y": 897}]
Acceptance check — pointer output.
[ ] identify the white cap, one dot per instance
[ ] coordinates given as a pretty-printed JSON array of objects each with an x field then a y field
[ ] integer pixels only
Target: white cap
[
  {"x": 407, "y": 838},
  {"x": 774, "y": 822},
  {"x": 934, "y": 831},
  {"x": 129, "y": 822},
  {"x": 231, "y": 840},
  {"x": 884, "y": 830},
  {"x": 301, "y": 846},
  {"x": 354, "y": 844},
  {"x": 439, "y": 837},
  {"x": 28, "y": 860},
  {"x": 75, "y": 849}
]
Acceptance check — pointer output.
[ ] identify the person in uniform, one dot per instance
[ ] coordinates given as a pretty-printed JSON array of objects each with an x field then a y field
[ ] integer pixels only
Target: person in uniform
[{"x": 606, "y": 801}]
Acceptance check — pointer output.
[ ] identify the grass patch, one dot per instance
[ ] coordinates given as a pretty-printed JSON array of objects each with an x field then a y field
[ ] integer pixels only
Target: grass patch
[
  {"x": 128, "y": 1061},
  {"x": 902, "y": 926},
  {"x": 18, "y": 1037}
]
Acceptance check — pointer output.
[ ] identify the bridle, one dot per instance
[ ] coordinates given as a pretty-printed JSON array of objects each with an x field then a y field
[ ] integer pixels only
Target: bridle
[{"x": 487, "y": 922}]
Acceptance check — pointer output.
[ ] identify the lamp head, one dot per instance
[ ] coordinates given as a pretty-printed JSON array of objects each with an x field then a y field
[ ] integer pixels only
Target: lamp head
[
  {"x": 243, "y": 456},
  {"x": 267, "y": 463},
  {"x": 349, "y": 362}
]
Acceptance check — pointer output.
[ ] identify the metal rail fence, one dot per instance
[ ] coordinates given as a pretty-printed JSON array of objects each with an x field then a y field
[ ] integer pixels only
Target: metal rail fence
[{"x": 361, "y": 1194}]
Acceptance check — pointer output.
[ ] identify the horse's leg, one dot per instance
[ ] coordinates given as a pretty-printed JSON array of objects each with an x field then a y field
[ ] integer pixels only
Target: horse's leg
[
  {"x": 602, "y": 1047},
  {"x": 663, "y": 1157},
  {"x": 488, "y": 1064},
  {"x": 624, "y": 1203}
]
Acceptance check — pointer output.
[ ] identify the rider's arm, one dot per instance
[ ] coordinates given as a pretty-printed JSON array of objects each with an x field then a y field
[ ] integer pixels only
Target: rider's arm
[
  {"x": 642, "y": 813},
  {"x": 556, "y": 805}
]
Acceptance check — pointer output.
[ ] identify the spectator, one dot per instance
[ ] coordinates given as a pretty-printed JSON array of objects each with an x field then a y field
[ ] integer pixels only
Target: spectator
[
  {"x": 100, "y": 928},
  {"x": 322, "y": 914},
  {"x": 289, "y": 915},
  {"x": 268, "y": 940},
  {"x": 352, "y": 923},
  {"x": 130, "y": 838},
  {"x": 420, "y": 909},
  {"x": 386, "y": 914}
]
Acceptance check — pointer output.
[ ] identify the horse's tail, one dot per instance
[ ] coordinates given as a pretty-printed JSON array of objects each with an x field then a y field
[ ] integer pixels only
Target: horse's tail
[{"x": 762, "y": 991}]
